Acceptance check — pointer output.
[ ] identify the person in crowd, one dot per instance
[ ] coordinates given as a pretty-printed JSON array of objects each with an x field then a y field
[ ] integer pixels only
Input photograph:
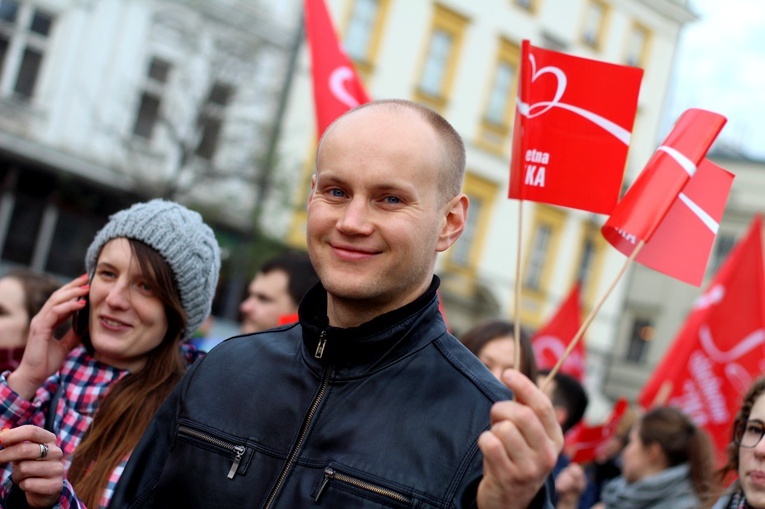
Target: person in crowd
[
  {"x": 22, "y": 294},
  {"x": 668, "y": 462},
  {"x": 367, "y": 401},
  {"x": 276, "y": 290},
  {"x": 570, "y": 401},
  {"x": 87, "y": 397},
  {"x": 746, "y": 454},
  {"x": 568, "y": 396},
  {"x": 493, "y": 342},
  {"x": 607, "y": 462}
]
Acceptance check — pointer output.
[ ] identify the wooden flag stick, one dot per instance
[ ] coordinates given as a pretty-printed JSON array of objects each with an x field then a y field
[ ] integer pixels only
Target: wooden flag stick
[
  {"x": 590, "y": 317},
  {"x": 517, "y": 304},
  {"x": 662, "y": 395}
]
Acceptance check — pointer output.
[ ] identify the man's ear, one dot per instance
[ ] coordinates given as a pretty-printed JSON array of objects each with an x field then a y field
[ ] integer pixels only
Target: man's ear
[
  {"x": 656, "y": 454},
  {"x": 561, "y": 414},
  {"x": 453, "y": 222}
]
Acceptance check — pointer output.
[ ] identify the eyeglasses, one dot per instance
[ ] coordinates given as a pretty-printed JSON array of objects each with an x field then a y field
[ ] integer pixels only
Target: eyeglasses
[{"x": 749, "y": 433}]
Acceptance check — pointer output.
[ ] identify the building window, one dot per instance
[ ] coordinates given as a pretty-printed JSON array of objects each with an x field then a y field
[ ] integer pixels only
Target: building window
[
  {"x": 441, "y": 57},
  {"x": 498, "y": 113},
  {"x": 529, "y": 5},
  {"x": 586, "y": 260},
  {"x": 463, "y": 256},
  {"x": 637, "y": 46},
  {"x": 539, "y": 259},
  {"x": 590, "y": 259},
  {"x": 723, "y": 245},
  {"x": 642, "y": 332},
  {"x": 25, "y": 222},
  {"x": 24, "y": 34},
  {"x": 360, "y": 28},
  {"x": 151, "y": 98},
  {"x": 461, "y": 253},
  {"x": 436, "y": 63},
  {"x": 362, "y": 37},
  {"x": 594, "y": 23},
  {"x": 211, "y": 118}
]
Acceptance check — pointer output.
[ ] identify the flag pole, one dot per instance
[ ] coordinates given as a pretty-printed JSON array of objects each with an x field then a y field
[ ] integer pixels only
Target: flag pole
[
  {"x": 517, "y": 304},
  {"x": 662, "y": 395},
  {"x": 590, "y": 317}
]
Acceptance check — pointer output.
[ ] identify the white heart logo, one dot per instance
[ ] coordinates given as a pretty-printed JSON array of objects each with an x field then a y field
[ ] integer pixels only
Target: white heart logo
[
  {"x": 561, "y": 79},
  {"x": 336, "y": 85}
]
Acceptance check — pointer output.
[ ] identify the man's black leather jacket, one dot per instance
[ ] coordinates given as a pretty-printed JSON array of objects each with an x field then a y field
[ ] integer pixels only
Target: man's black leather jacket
[{"x": 382, "y": 415}]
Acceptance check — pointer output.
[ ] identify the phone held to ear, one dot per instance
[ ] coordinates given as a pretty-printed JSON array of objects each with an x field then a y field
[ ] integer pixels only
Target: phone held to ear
[{"x": 80, "y": 320}]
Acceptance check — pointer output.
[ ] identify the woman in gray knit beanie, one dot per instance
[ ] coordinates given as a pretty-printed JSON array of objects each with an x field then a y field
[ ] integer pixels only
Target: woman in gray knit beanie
[{"x": 153, "y": 271}]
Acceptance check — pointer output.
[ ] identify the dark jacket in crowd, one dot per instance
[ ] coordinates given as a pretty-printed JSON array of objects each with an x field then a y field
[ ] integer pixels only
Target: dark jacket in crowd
[{"x": 386, "y": 414}]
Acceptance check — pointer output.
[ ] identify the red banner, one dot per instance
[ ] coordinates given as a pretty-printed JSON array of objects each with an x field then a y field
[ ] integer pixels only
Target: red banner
[
  {"x": 573, "y": 124},
  {"x": 584, "y": 442},
  {"x": 649, "y": 198},
  {"x": 336, "y": 86},
  {"x": 551, "y": 341},
  {"x": 721, "y": 347},
  {"x": 286, "y": 319},
  {"x": 681, "y": 245}
]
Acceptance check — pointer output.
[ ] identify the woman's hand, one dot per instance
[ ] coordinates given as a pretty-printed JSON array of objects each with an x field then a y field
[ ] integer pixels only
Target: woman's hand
[
  {"x": 44, "y": 354},
  {"x": 37, "y": 462}
]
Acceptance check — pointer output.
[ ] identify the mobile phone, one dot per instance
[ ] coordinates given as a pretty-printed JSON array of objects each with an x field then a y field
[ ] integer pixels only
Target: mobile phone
[{"x": 80, "y": 320}]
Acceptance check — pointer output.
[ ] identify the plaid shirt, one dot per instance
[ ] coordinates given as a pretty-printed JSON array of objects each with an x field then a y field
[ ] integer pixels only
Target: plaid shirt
[{"x": 84, "y": 382}]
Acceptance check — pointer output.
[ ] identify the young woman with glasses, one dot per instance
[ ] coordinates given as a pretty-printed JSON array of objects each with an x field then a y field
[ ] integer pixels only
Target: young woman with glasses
[{"x": 746, "y": 454}]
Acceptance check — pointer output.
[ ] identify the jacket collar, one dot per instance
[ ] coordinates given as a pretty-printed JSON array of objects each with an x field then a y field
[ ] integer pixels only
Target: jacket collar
[{"x": 372, "y": 345}]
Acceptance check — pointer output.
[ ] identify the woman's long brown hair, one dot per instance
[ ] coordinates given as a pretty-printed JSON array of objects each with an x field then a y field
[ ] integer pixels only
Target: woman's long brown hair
[{"x": 125, "y": 412}]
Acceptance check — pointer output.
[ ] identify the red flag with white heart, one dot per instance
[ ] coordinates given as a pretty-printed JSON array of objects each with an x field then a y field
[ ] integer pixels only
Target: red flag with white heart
[
  {"x": 573, "y": 125},
  {"x": 550, "y": 342},
  {"x": 336, "y": 85},
  {"x": 720, "y": 349}
]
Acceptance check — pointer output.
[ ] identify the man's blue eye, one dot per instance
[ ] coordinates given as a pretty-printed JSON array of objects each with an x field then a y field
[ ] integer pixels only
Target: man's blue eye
[
  {"x": 393, "y": 199},
  {"x": 337, "y": 192}
]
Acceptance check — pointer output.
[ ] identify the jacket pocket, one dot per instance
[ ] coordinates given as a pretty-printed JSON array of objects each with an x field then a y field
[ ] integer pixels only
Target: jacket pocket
[
  {"x": 237, "y": 451},
  {"x": 335, "y": 483}
]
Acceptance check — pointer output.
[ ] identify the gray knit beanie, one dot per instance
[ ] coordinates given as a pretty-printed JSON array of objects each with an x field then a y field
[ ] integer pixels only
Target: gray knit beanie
[{"x": 184, "y": 241}]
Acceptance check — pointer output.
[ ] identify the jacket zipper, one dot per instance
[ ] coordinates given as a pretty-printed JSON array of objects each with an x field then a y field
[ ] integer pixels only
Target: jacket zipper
[
  {"x": 322, "y": 343},
  {"x": 301, "y": 438},
  {"x": 238, "y": 450},
  {"x": 331, "y": 473}
]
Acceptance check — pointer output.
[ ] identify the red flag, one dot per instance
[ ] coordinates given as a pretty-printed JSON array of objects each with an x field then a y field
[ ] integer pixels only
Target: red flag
[
  {"x": 649, "y": 198},
  {"x": 584, "y": 442},
  {"x": 551, "y": 341},
  {"x": 336, "y": 86},
  {"x": 682, "y": 242},
  {"x": 721, "y": 347},
  {"x": 289, "y": 318},
  {"x": 573, "y": 123}
]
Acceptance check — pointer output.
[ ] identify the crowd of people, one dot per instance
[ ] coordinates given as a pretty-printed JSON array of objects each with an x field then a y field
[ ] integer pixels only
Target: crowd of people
[{"x": 344, "y": 388}]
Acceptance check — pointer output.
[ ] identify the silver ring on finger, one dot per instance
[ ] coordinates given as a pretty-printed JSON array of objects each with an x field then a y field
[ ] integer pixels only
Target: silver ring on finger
[{"x": 43, "y": 451}]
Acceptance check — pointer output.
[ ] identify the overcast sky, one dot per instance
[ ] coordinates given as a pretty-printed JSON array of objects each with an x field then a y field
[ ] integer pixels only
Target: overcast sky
[{"x": 721, "y": 67}]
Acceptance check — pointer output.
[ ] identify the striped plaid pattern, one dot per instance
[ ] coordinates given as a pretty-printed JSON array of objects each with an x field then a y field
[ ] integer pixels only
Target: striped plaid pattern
[{"x": 85, "y": 381}]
